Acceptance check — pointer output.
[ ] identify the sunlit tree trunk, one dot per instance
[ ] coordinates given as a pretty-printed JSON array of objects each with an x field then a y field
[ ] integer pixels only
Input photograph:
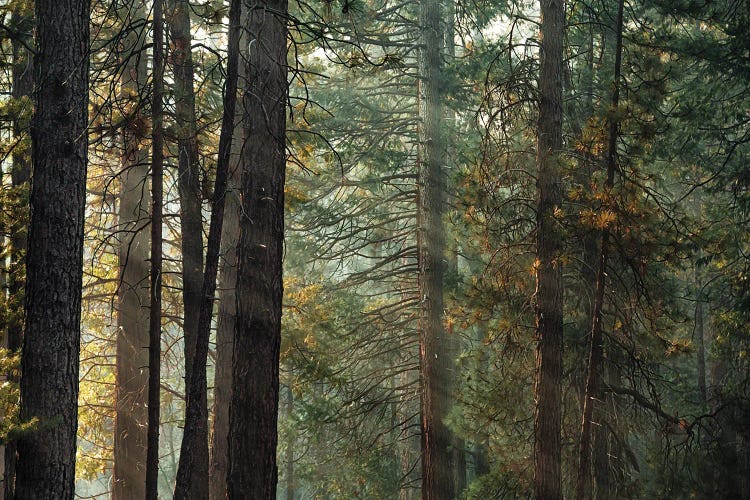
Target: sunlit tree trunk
[
  {"x": 49, "y": 367},
  {"x": 549, "y": 286},
  {"x": 131, "y": 397},
  {"x": 255, "y": 373}
]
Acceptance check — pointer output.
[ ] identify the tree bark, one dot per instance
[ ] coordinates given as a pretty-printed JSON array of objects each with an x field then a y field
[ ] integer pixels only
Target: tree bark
[
  {"x": 131, "y": 397},
  {"x": 594, "y": 376},
  {"x": 194, "y": 440},
  {"x": 191, "y": 220},
  {"x": 157, "y": 188},
  {"x": 255, "y": 372},
  {"x": 49, "y": 380},
  {"x": 549, "y": 286},
  {"x": 227, "y": 318},
  {"x": 20, "y": 173},
  {"x": 435, "y": 354}
]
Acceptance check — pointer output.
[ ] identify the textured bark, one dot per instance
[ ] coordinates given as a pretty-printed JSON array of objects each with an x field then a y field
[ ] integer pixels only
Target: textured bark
[
  {"x": 255, "y": 372},
  {"x": 188, "y": 184},
  {"x": 191, "y": 222},
  {"x": 20, "y": 174},
  {"x": 594, "y": 375},
  {"x": 194, "y": 451},
  {"x": 227, "y": 319},
  {"x": 549, "y": 287},
  {"x": 157, "y": 188},
  {"x": 434, "y": 346},
  {"x": 131, "y": 397},
  {"x": 49, "y": 380}
]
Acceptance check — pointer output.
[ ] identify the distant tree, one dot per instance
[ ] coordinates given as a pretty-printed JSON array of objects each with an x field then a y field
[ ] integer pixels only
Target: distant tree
[
  {"x": 594, "y": 377},
  {"x": 131, "y": 392}
]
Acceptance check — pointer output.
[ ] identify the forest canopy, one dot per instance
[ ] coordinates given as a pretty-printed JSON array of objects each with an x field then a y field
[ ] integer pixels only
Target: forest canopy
[{"x": 374, "y": 249}]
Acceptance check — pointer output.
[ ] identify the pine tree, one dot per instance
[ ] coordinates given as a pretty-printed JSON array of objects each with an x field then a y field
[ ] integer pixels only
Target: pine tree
[{"x": 49, "y": 380}]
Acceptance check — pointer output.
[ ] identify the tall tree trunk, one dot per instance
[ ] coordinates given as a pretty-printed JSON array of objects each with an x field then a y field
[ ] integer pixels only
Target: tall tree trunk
[
  {"x": 191, "y": 225},
  {"x": 49, "y": 366},
  {"x": 20, "y": 173},
  {"x": 435, "y": 356},
  {"x": 594, "y": 376},
  {"x": 289, "y": 458},
  {"x": 549, "y": 286},
  {"x": 191, "y": 221},
  {"x": 194, "y": 439},
  {"x": 227, "y": 315},
  {"x": 458, "y": 445},
  {"x": 157, "y": 188},
  {"x": 131, "y": 396},
  {"x": 255, "y": 369}
]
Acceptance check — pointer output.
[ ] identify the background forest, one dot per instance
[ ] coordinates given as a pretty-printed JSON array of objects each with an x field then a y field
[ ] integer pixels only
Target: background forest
[{"x": 516, "y": 258}]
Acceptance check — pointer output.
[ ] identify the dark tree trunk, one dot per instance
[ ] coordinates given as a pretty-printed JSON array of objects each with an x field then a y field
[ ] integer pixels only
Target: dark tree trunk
[
  {"x": 255, "y": 372},
  {"x": 49, "y": 380},
  {"x": 131, "y": 394},
  {"x": 194, "y": 437},
  {"x": 191, "y": 222},
  {"x": 549, "y": 286},
  {"x": 157, "y": 188},
  {"x": 435, "y": 354},
  {"x": 20, "y": 173},
  {"x": 227, "y": 319},
  {"x": 188, "y": 184},
  {"x": 594, "y": 376}
]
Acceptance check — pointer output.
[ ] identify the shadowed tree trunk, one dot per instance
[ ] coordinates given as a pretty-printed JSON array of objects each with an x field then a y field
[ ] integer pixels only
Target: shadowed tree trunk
[
  {"x": 157, "y": 188},
  {"x": 131, "y": 397},
  {"x": 595, "y": 376},
  {"x": 49, "y": 366},
  {"x": 255, "y": 369},
  {"x": 20, "y": 173},
  {"x": 196, "y": 421},
  {"x": 549, "y": 286},
  {"x": 191, "y": 221},
  {"x": 227, "y": 319}
]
